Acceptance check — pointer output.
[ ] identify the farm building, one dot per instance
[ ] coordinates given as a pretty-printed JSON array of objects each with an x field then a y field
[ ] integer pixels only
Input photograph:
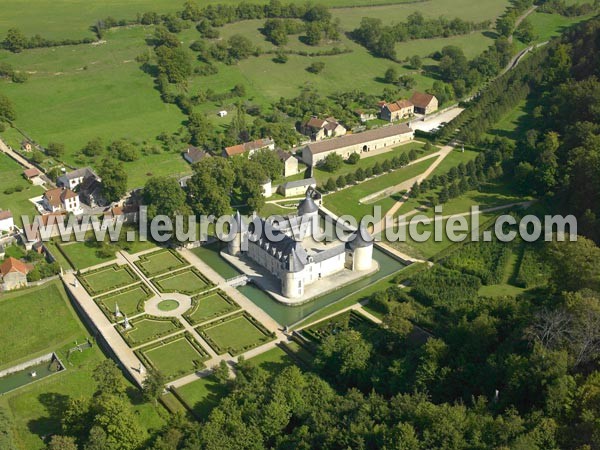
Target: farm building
[
  {"x": 424, "y": 103},
  {"x": 364, "y": 142},
  {"x": 319, "y": 129},
  {"x": 298, "y": 187},
  {"x": 401, "y": 109},
  {"x": 249, "y": 147},
  {"x": 194, "y": 154},
  {"x": 14, "y": 273},
  {"x": 34, "y": 176},
  {"x": 290, "y": 163}
]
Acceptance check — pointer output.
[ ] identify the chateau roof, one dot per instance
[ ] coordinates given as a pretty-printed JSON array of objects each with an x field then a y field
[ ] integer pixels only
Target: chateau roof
[
  {"x": 307, "y": 206},
  {"x": 359, "y": 239}
]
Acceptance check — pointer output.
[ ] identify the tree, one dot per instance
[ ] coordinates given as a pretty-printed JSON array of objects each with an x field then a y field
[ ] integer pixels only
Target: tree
[
  {"x": 398, "y": 320},
  {"x": 95, "y": 147},
  {"x": 55, "y": 149},
  {"x": 332, "y": 162},
  {"x": 576, "y": 265},
  {"x": 62, "y": 443},
  {"x": 123, "y": 150},
  {"x": 270, "y": 162},
  {"x": 7, "y": 438},
  {"x": 416, "y": 62},
  {"x": 109, "y": 378},
  {"x": 240, "y": 47},
  {"x": 114, "y": 179},
  {"x": 97, "y": 439},
  {"x": 15, "y": 40},
  {"x": 221, "y": 372},
  {"x": 200, "y": 128},
  {"x": 316, "y": 67},
  {"x": 313, "y": 33},
  {"x": 153, "y": 385},
  {"x": 7, "y": 111},
  {"x": 209, "y": 189},
  {"x": 343, "y": 353},
  {"x": 359, "y": 175},
  {"x": 391, "y": 75},
  {"x": 404, "y": 159},
  {"x": 525, "y": 32},
  {"x": 330, "y": 186},
  {"x": 174, "y": 62},
  {"x": 415, "y": 190},
  {"x": 354, "y": 158},
  {"x": 341, "y": 181},
  {"x": 115, "y": 416},
  {"x": 377, "y": 169},
  {"x": 412, "y": 154},
  {"x": 386, "y": 165},
  {"x": 164, "y": 196}
]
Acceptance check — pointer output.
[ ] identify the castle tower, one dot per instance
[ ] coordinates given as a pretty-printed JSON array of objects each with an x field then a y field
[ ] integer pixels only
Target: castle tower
[
  {"x": 309, "y": 212},
  {"x": 360, "y": 246},
  {"x": 234, "y": 247}
]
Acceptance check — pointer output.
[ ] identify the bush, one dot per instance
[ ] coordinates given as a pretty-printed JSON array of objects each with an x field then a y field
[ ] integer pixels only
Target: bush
[
  {"x": 354, "y": 158},
  {"x": 316, "y": 67},
  {"x": 332, "y": 162}
]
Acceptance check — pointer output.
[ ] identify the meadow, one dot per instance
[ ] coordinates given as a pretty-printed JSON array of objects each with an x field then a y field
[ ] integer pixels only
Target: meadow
[{"x": 11, "y": 177}]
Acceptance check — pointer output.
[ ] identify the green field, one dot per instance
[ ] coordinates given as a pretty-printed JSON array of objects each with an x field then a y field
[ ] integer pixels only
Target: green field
[
  {"x": 272, "y": 360},
  {"x": 83, "y": 254},
  {"x": 187, "y": 281},
  {"x": 107, "y": 278},
  {"x": 130, "y": 301},
  {"x": 146, "y": 329},
  {"x": 233, "y": 335},
  {"x": 346, "y": 201},
  {"x": 11, "y": 176},
  {"x": 201, "y": 395},
  {"x": 35, "y": 321},
  {"x": 175, "y": 358},
  {"x": 210, "y": 254},
  {"x": 547, "y": 26},
  {"x": 211, "y": 306},
  {"x": 159, "y": 262}
]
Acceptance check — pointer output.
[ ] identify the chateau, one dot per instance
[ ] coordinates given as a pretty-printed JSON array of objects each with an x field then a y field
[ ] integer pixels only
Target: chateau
[{"x": 289, "y": 252}]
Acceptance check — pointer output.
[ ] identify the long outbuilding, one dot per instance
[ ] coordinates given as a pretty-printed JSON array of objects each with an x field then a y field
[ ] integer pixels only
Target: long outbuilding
[{"x": 361, "y": 143}]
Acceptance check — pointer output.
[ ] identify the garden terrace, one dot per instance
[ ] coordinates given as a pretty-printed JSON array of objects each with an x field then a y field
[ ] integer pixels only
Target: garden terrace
[
  {"x": 160, "y": 262},
  {"x": 187, "y": 281},
  {"x": 148, "y": 328},
  {"x": 104, "y": 279},
  {"x": 210, "y": 306},
  {"x": 174, "y": 357},
  {"x": 130, "y": 300},
  {"x": 235, "y": 335}
]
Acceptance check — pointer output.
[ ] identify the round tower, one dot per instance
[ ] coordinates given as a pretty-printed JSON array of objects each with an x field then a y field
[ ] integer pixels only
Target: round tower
[
  {"x": 361, "y": 247},
  {"x": 309, "y": 212},
  {"x": 234, "y": 246}
]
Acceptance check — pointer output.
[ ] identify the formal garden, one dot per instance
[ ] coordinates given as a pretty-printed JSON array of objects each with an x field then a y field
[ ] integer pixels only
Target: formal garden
[
  {"x": 108, "y": 278},
  {"x": 147, "y": 328},
  {"x": 188, "y": 281},
  {"x": 344, "y": 321},
  {"x": 235, "y": 335},
  {"x": 160, "y": 262},
  {"x": 210, "y": 305},
  {"x": 130, "y": 301},
  {"x": 174, "y": 357}
]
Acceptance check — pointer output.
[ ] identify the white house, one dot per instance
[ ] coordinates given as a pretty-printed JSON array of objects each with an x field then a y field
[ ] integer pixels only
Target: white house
[
  {"x": 58, "y": 199},
  {"x": 6, "y": 221},
  {"x": 297, "y": 187}
]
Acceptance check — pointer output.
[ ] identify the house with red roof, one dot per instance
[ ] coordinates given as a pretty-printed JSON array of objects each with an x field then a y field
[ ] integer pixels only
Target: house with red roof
[
  {"x": 61, "y": 199},
  {"x": 424, "y": 103},
  {"x": 249, "y": 147},
  {"x": 14, "y": 273},
  {"x": 401, "y": 109}
]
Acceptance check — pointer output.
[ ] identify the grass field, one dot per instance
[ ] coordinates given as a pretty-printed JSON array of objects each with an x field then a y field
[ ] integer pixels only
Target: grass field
[
  {"x": 346, "y": 200},
  {"x": 147, "y": 329},
  {"x": 176, "y": 358},
  {"x": 83, "y": 254},
  {"x": 272, "y": 360},
  {"x": 107, "y": 278},
  {"x": 11, "y": 176},
  {"x": 210, "y": 255},
  {"x": 185, "y": 281},
  {"x": 233, "y": 335},
  {"x": 35, "y": 321},
  {"x": 211, "y": 306},
  {"x": 130, "y": 301},
  {"x": 201, "y": 395},
  {"x": 159, "y": 262},
  {"x": 547, "y": 26}
]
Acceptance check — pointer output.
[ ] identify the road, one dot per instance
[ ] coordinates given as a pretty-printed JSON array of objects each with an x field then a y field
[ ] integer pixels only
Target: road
[{"x": 14, "y": 155}]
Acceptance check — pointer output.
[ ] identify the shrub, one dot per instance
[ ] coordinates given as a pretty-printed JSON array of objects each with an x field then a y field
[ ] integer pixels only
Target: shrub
[
  {"x": 354, "y": 158},
  {"x": 316, "y": 67}
]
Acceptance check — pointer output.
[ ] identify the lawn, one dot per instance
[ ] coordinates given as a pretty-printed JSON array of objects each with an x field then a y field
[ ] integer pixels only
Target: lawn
[
  {"x": 37, "y": 409},
  {"x": 11, "y": 177},
  {"x": 107, "y": 278},
  {"x": 210, "y": 254},
  {"x": 547, "y": 26},
  {"x": 346, "y": 201},
  {"x": 201, "y": 396},
  {"x": 188, "y": 281},
  {"x": 146, "y": 329},
  {"x": 89, "y": 91},
  {"x": 272, "y": 360},
  {"x": 210, "y": 306},
  {"x": 159, "y": 262},
  {"x": 35, "y": 321},
  {"x": 234, "y": 335},
  {"x": 130, "y": 301},
  {"x": 83, "y": 254},
  {"x": 176, "y": 358}
]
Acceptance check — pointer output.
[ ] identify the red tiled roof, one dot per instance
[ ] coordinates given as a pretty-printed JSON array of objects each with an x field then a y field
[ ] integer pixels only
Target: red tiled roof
[
  {"x": 5, "y": 214},
  {"x": 404, "y": 103},
  {"x": 421, "y": 100},
  {"x": 14, "y": 265},
  {"x": 31, "y": 173},
  {"x": 247, "y": 146}
]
